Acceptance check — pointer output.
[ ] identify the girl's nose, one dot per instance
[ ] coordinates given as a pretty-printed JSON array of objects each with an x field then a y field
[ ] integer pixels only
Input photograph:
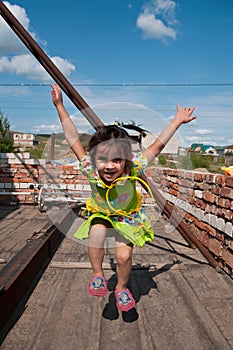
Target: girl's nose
[{"x": 109, "y": 165}]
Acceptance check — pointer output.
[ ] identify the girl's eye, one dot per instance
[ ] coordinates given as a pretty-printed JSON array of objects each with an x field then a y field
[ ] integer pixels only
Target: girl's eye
[
  {"x": 102, "y": 159},
  {"x": 105, "y": 160}
]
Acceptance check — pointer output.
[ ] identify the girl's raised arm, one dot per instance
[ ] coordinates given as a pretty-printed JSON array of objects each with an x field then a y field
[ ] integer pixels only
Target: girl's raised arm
[
  {"x": 70, "y": 130},
  {"x": 183, "y": 116}
]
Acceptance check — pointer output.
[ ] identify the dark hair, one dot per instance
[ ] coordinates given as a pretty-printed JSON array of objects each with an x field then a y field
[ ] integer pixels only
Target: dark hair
[{"x": 118, "y": 136}]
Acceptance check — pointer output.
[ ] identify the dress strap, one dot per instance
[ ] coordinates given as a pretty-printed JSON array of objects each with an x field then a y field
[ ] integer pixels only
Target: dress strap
[{"x": 134, "y": 177}]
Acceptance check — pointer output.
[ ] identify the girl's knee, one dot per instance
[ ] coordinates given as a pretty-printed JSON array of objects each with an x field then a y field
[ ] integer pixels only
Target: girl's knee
[
  {"x": 97, "y": 236},
  {"x": 124, "y": 255},
  {"x": 98, "y": 228}
]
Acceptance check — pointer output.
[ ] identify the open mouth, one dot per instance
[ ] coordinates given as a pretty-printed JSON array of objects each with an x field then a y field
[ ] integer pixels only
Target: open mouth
[{"x": 109, "y": 173}]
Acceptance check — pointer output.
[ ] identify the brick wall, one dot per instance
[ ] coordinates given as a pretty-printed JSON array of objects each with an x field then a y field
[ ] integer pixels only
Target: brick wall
[
  {"x": 17, "y": 173},
  {"x": 206, "y": 203},
  {"x": 205, "y": 200}
]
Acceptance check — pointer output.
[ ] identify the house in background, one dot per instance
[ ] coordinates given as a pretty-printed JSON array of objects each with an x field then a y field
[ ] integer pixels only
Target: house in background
[
  {"x": 206, "y": 149},
  {"x": 229, "y": 149},
  {"x": 23, "y": 140},
  {"x": 216, "y": 151}
]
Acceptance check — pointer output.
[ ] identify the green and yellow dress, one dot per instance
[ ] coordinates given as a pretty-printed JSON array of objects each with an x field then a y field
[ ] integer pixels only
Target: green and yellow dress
[{"x": 118, "y": 203}]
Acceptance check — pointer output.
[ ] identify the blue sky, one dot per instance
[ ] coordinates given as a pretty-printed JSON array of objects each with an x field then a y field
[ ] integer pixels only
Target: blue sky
[{"x": 129, "y": 59}]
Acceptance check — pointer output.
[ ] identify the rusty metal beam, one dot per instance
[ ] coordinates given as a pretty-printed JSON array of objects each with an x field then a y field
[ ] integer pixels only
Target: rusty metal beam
[
  {"x": 18, "y": 276},
  {"x": 94, "y": 120}
]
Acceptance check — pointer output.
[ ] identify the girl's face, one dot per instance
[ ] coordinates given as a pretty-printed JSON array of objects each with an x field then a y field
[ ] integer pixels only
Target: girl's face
[{"x": 109, "y": 162}]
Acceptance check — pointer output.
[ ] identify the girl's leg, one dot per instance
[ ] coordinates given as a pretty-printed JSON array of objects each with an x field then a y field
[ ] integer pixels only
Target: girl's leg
[
  {"x": 124, "y": 298},
  {"x": 124, "y": 264},
  {"x": 96, "y": 248}
]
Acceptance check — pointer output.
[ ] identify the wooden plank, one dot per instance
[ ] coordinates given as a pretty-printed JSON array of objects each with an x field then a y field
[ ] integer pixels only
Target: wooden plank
[{"x": 112, "y": 266}]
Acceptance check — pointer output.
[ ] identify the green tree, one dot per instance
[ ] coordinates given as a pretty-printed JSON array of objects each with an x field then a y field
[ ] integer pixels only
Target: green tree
[
  {"x": 6, "y": 142},
  {"x": 200, "y": 160},
  {"x": 162, "y": 159}
]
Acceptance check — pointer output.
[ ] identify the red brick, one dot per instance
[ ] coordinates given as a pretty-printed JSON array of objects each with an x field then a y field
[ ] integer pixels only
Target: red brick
[
  {"x": 26, "y": 179},
  {"x": 227, "y": 192},
  {"x": 209, "y": 197},
  {"x": 185, "y": 183},
  {"x": 216, "y": 190},
  {"x": 211, "y": 230},
  {"x": 199, "y": 203},
  {"x": 202, "y": 186},
  {"x": 189, "y": 217},
  {"x": 225, "y": 213},
  {"x": 213, "y": 209},
  {"x": 198, "y": 177},
  {"x": 219, "y": 180},
  {"x": 69, "y": 181},
  {"x": 229, "y": 181},
  {"x": 173, "y": 192},
  {"x": 210, "y": 178},
  {"x": 201, "y": 225},
  {"x": 174, "y": 186},
  {"x": 225, "y": 203}
]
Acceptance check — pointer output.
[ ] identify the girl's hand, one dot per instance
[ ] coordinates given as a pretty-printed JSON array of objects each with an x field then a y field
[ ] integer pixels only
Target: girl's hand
[
  {"x": 184, "y": 115},
  {"x": 56, "y": 95}
]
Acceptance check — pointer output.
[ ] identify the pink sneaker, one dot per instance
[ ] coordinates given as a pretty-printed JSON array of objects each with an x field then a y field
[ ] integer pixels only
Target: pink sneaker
[
  {"x": 98, "y": 286},
  {"x": 124, "y": 300}
]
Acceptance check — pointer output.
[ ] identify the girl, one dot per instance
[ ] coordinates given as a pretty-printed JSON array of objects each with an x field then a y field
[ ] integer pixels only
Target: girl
[{"x": 115, "y": 206}]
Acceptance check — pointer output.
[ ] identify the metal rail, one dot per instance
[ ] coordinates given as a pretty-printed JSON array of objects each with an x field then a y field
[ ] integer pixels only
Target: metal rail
[{"x": 94, "y": 120}]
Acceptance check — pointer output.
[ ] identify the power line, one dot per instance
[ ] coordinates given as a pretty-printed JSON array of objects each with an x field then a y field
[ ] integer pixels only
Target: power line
[{"x": 124, "y": 84}]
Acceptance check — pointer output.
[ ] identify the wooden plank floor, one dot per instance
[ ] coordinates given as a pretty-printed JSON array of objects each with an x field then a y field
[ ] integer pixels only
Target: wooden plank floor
[
  {"x": 183, "y": 304},
  {"x": 17, "y": 225}
]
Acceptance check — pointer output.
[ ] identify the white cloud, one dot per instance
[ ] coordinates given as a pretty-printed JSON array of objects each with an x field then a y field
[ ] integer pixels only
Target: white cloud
[
  {"x": 9, "y": 42},
  {"x": 47, "y": 128},
  {"x": 208, "y": 140},
  {"x": 80, "y": 122},
  {"x": 157, "y": 20},
  {"x": 15, "y": 59},
  {"x": 197, "y": 139},
  {"x": 28, "y": 65},
  {"x": 204, "y": 131}
]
